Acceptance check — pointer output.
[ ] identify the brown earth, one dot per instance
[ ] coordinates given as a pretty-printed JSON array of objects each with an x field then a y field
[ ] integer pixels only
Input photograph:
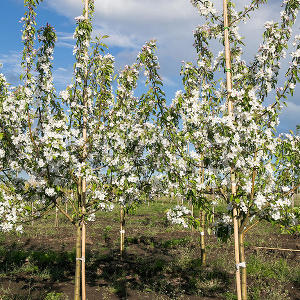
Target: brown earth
[{"x": 161, "y": 262}]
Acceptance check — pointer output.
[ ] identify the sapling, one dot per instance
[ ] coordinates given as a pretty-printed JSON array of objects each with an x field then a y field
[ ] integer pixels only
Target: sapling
[
  {"x": 230, "y": 125},
  {"x": 70, "y": 146},
  {"x": 239, "y": 130},
  {"x": 139, "y": 135}
]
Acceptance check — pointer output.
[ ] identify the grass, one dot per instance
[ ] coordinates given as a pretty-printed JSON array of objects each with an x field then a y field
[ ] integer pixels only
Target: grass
[{"x": 161, "y": 261}]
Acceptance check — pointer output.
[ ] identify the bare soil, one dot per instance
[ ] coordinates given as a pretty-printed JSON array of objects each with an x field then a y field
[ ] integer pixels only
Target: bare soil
[{"x": 160, "y": 262}]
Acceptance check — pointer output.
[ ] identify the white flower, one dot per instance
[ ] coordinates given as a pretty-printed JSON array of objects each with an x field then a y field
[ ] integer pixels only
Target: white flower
[
  {"x": 276, "y": 215},
  {"x": 41, "y": 163},
  {"x": 296, "y": 54},
  {"x": 176, "y": 215},
  {"x": 64, "y": 95},
  {"x": 91, "y": 217},
  {"x": 79, "y": 18},
  {"x": 19, "y": 228},
  {"x": 50, "y": 192},
  {"x": 100, "y": 195},
  {"x": 260, "y": 200},
  {"x": 27, "y": 92},
  {"x": 132, "y": 178},
  {"x": 285, "y": 188},
  {"x": 292, "y": 86}
]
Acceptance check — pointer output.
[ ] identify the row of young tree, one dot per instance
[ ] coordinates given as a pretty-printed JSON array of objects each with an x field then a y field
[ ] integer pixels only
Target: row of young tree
[{"x": 96, "y": 147}]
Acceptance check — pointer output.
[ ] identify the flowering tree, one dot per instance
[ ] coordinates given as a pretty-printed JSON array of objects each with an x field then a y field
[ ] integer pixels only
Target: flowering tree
[
  {"x": 11, "y": 205},
  {"x": 135, "y": 137},
  {"x": 231, "y": 129},
  {"x": 82, "y": 140}
]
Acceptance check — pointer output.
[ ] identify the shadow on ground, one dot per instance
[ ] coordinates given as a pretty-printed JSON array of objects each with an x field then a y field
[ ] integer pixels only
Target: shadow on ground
[{"x": 151, "y": 269}]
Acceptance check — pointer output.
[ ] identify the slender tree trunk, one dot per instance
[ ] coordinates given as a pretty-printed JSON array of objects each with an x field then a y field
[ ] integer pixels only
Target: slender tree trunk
[
  {"x": 31, "y": 213},
  {"x": 56, "y": 217},
  {"x": 78, "y": 258},
  {"x": 294, "y": 193},
  {"x": 122, "y": 230},
  {"x": 202, "y": 238},
  {"x": 202, "y": 218},
  {"x": 243, "y": 268},
  {"x": 192, "y": 210},
  {"x": 213, "y": 208},
  {"x": 232, "y": 175}
]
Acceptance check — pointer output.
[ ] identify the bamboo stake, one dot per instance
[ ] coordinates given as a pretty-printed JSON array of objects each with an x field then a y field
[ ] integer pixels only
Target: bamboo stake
[
  {"x": 83, "y": 244},
  {"x": 243, "y": 269},
  {"x": 83, "y": 191},
  {"x": 78, "y": 258},
  {"x": 277, "y": 249},
  {"x": 232, "y": 175}
]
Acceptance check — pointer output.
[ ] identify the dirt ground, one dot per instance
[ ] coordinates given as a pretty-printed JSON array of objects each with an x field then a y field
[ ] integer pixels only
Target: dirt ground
[{"x": 161, "y": 262}]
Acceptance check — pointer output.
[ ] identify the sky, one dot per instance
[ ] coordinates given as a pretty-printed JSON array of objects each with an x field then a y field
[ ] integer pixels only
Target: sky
[{"x": 130, "y": 23}]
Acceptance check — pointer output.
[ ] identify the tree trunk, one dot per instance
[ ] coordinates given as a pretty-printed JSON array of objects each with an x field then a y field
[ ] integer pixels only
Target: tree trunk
[
  {"x": 192, "y": 212},
  {"x": 31, "y": 213},
  {"x": 78, "y": 258},
  {"x": 122, "y": 230},
  {"x": 202, "y": 238},
  {"x": 56, "y": 217},
  {"x": 243, "y": 268}
]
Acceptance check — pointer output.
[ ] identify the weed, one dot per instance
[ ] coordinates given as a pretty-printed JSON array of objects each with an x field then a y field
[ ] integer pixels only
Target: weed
[{"x": 56, "y": 296}]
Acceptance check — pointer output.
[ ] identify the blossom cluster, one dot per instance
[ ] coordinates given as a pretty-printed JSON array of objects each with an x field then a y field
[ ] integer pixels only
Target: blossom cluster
[{"x": 178, "y": 215}]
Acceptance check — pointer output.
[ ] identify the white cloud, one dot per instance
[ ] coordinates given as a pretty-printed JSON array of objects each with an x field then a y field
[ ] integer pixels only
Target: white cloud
[
  {"x": 62, "y": 69},
  {"x": 62, "y": 77},
  {"x": 65, "y": 39},
  {"x": 133, "y": 11},
  {"x": 11, "y": 66},
  {"x": 132, "y": 22},
  {"x": 290, "y": 116}
]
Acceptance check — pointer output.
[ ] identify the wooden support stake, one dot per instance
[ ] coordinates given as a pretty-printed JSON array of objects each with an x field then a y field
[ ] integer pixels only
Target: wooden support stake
[
  {"x": 232, "y": 176},
  {"x": 277, "y": 249},
  {"x": 83, "y": 191},
  {"x": 78, "y": 258}
]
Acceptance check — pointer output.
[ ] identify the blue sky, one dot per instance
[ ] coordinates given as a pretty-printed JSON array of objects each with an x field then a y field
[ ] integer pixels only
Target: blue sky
[{"x": 130, "y": 23}]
